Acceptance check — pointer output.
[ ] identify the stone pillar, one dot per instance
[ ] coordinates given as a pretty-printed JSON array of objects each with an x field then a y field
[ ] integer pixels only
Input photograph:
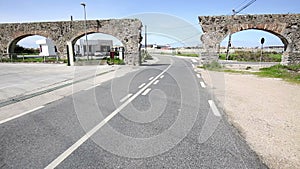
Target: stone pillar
[
  {"x": 71, "y": 53},
  {"x": 289, "y": 58},
  {"x": 211, "y": 48}
]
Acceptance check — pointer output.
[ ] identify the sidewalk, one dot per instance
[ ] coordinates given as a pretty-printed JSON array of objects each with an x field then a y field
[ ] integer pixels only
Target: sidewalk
[{"x": 44, "y": 84}]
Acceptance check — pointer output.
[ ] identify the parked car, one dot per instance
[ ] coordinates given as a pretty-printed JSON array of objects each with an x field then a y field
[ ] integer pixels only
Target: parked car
[{"x": 100, "y": 54}]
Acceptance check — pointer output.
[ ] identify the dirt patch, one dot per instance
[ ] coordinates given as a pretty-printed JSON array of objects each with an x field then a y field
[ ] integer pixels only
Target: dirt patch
[{"x": 266, "y": 111}]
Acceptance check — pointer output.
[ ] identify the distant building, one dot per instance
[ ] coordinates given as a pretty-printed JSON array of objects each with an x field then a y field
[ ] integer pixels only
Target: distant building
[
  {"x": 155, "y": 46},
  {"x": 95, "y": 46},
  {"x": 47, "y": 47}
]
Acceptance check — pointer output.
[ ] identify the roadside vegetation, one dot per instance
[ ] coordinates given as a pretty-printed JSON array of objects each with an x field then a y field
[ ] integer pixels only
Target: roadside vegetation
[
  {"x": 115, "y": 61},
  {"x": 248, "y": 56},
  {"x": 187, "y": 54},
  {"x": 290, "y": 73},
  {"x": 33, "y": 60}
]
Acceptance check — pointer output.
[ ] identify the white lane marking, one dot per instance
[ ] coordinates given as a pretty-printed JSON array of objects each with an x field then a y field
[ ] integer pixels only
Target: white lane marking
[
  {"x": 83, "y": 139},
  {"x": 156, "y": 82},
  {"x": 194, "y": 60},
  {"x": 19, "y": 115},
  {"x": 214, "y": 108},
  {"x": 142, "y": 85},
  {"x": 126, "y": 97},
  {"x": 146, "y": 92},
  {"x": 202, "y": 84},
  {"x": 193, "y": 65},
  {"x": 198, "y": 76},
  {"x": 92, "y": 87},
  {"x": 151, "y": 78},
  {"x": 162, "y": 76}
]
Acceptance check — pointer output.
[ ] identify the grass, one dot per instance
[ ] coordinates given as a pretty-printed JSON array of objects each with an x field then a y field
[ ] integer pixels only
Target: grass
[
  {"x": 248, "y": 56},
  {"x": 290, "y": 73},
  {"x": 188, "y": 54},
  {"x": 115, "y": 61},
  {"x": 33, "y": 60}
]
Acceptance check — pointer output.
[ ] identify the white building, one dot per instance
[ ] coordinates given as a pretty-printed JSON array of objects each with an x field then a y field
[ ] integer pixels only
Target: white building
[
  {"x": 47, "y": 47},
  {"x": 93, "y": 46}
]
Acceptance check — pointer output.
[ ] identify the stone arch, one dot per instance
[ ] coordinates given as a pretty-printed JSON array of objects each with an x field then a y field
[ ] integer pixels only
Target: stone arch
[
  {"x": 128, "y": 31},
  {"x": 266, "y": 28},
  {"x": 284, "y": 26},
  {"x": 82, "y": 34}
]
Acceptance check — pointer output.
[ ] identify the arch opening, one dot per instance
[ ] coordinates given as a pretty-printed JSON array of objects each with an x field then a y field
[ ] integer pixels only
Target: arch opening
[
  {"x": 32, "y": 47},
  {"x": 246, "y": 46},
  {"x": 99, "y": 46}
]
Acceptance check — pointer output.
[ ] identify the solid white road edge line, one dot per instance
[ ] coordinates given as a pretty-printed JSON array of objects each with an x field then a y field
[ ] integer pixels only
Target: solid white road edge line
[
  {"x": 19, "y": 115},
  {"x": 126, "y": 97},
  {"x": 142, "y": 85},
  {"x": 146, "y": 92},
  {"x": 202, "y": 84},
  {"x": 214, "y": 108},
  {"x": 92, "y": 87},
  {"x": 78, "y": 143}
]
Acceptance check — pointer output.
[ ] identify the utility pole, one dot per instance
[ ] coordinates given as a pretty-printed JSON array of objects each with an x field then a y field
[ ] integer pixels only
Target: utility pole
[
  {"x": 230, "y": 33},
  {"x": 146, "y": 39},
  {"x": 85, "y": 28}
]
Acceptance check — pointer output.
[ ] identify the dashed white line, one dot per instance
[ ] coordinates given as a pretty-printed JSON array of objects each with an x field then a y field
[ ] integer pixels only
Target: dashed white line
[
  {"x": 162, "y": 76},
  {"x": 214, "y": 108},
  {"x": 151, "y": 78},
  {"x": 198, "y": 76},
  {"x": 126, "y": 97},
  {"x": 146, "y": 92},
  {"x": 142, "y": 85},
  {"x": 156, "y": 82},
  {"x": 193, "y": 65},
  {"x": 89, "y": 134},
  {"x": 202, "y": 84},
  {"x": 194, "y": 60},
  {"x": 19, "y": 115}
]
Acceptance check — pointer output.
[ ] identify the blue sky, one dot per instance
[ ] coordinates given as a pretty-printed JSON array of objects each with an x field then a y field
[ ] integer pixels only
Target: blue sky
[{"x": 185, "y": 11}]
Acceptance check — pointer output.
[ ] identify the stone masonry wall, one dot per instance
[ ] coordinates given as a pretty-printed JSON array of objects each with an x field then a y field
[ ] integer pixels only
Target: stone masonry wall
[
  {"x": 128, "y": 31},
  {"x": 284, "y": 26}
]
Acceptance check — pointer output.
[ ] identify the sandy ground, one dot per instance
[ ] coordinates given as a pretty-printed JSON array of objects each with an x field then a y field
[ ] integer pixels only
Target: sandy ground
[{"x": 266, "y": 111}]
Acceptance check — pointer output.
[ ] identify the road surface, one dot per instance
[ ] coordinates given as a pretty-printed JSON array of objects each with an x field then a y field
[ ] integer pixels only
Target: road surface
[{"x": 160, "y": 116}]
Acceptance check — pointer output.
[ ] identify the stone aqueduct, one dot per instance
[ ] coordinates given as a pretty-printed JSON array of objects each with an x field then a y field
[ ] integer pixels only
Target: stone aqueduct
[
  {"x": 128, "y": 31},
  {"x": 284, "y": 26}
]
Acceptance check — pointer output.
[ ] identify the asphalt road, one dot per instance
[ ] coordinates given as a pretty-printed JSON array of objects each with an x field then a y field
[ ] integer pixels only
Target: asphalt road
[{"x": 161, "y": 116}]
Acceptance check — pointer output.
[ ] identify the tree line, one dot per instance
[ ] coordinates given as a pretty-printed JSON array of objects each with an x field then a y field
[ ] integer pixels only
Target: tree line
[{"x": 21, "y": 49}]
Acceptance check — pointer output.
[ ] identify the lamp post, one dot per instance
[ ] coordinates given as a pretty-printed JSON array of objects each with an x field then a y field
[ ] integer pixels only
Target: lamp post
[{"x": 86, "y": 39}]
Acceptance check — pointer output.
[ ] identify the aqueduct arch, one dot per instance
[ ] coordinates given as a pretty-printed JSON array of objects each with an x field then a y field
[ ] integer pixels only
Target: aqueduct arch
[
  {"x": 284, "y": 26},
  {"x": 128, "y": 31}
]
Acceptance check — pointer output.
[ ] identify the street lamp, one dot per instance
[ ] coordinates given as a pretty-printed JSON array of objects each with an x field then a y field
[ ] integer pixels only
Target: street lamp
[{"x": 86, "y": 39}]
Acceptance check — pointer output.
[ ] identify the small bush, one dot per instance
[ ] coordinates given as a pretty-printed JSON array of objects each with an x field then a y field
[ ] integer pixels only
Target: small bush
[{"x": 213, "y": 66}]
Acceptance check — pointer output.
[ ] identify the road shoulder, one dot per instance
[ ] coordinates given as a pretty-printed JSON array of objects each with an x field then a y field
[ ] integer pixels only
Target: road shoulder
[{"x": 266, "y": 113}]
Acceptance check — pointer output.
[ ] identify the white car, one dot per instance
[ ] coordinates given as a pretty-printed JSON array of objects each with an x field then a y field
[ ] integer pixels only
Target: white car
[{"x": 100, "y": 54}]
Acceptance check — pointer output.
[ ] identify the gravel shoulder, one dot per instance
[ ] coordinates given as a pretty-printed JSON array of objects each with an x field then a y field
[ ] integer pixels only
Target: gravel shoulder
[{"x": 266, "y": 111}]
